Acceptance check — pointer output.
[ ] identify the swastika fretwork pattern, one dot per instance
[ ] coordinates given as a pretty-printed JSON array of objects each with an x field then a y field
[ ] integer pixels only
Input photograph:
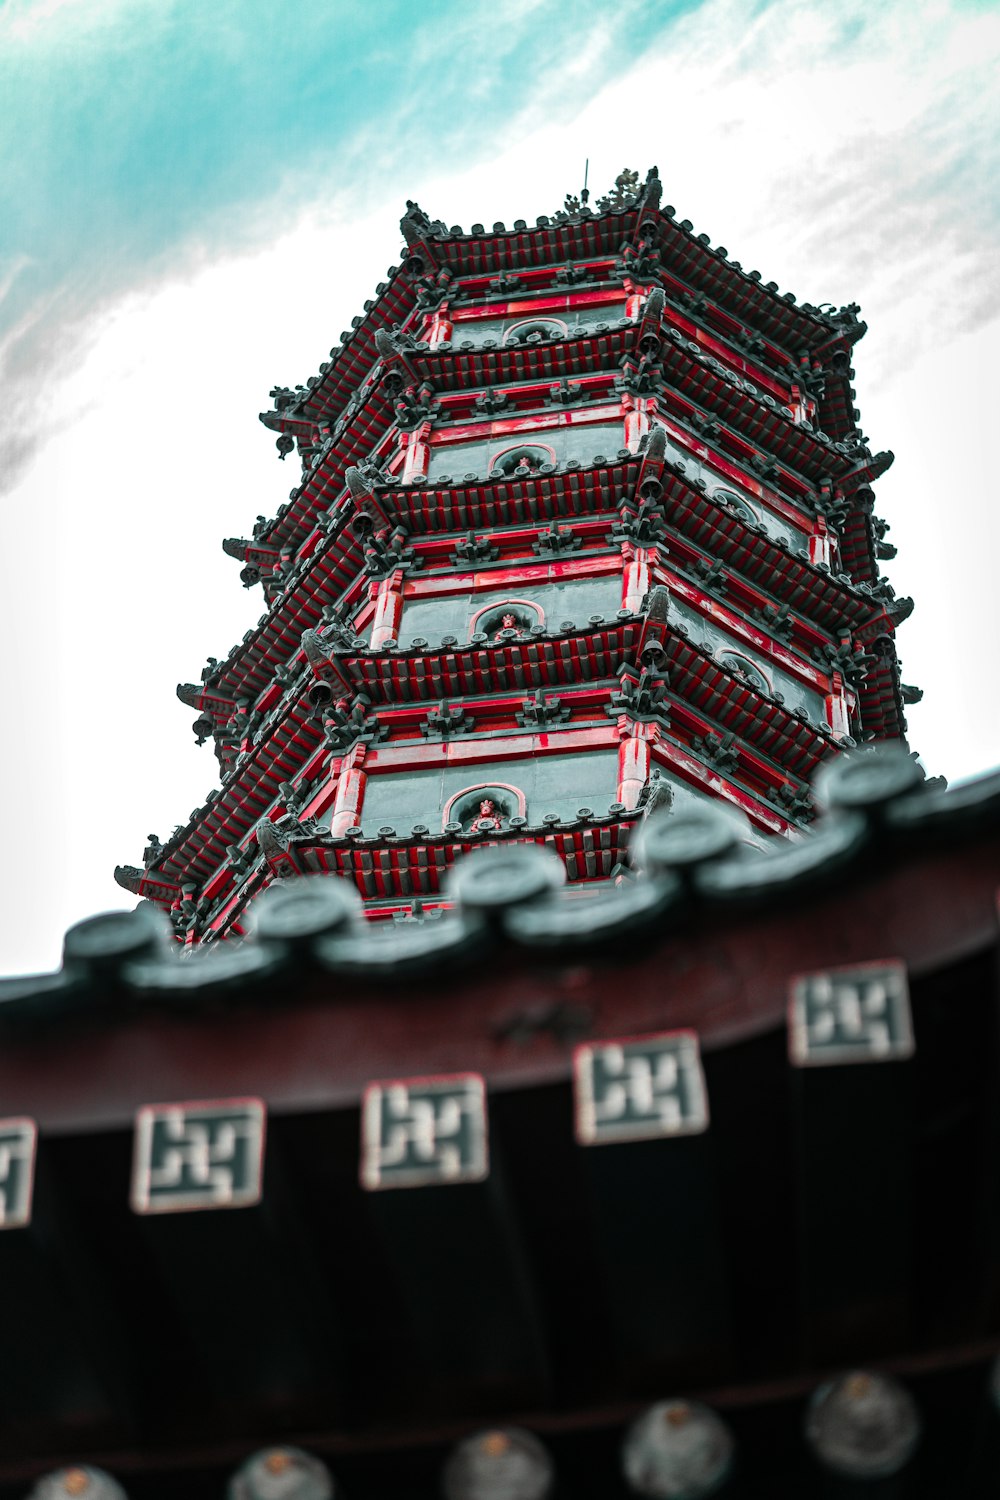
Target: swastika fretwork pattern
[
  {"x": 206, "y": 1154},
  {"x": 640, "y": 1088},
  {"x": 850, "y": 1015},
  {"x": 17, "y": 1171},
  {"x": 420, "y": 1131}
]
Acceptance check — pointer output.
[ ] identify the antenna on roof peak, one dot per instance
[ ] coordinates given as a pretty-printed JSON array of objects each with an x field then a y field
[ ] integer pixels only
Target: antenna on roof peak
[{"x": 585, "y": 194}]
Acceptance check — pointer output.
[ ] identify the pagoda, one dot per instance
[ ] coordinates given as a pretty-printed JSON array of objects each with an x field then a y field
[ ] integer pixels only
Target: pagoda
[
  {"x": 584, "y": 530},
  {"x": 651, "y": 1150}
]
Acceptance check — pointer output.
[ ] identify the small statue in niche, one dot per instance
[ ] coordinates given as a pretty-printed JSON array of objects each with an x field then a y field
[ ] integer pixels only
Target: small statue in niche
[
  {"x": 519, "y": 462},
  {"x": 488, "y": 819},
  {"x": 508, "y": 621}
]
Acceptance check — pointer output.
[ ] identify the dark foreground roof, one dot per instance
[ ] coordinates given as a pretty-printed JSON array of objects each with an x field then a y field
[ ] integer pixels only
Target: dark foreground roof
[
  {"x": 696, "y": 874},
  {"x": 823, "y": 1218}
]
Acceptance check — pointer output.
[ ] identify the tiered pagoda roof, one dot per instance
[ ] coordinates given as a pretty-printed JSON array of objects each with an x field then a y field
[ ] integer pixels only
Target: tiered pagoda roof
[
  {"x": 689, "y": 432},
  {"x": 672, "y": 1005}
]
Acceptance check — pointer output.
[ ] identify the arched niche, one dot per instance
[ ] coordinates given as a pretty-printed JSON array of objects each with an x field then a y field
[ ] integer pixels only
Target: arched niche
[
  {"x": 737, "y": 505},
  {"x": 525, "y": 458},
  {"x": 751, "y": 674},
  {"x": 535, "y": 330},
  {"x": 492, "y": 619},
  {"x": 483, "y": 802}
]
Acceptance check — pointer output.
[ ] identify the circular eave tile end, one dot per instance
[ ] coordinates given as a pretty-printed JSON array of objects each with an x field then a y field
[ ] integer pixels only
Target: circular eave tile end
[
  {"x": 493, "y": 879},
  {"x": 305, "y": 908}
]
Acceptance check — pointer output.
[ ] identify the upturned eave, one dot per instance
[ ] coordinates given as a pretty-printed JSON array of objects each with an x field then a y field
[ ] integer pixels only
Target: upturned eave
[{"x": 832, "y": 602}]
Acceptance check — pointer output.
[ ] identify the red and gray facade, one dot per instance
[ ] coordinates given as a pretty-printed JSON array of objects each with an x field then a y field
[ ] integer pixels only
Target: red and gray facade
[
  {"x": 623, "y": 1119},
  {"x": 585, "y": 529}
]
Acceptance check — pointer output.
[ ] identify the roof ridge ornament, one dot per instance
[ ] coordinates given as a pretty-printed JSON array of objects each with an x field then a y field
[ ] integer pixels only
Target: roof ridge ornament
[
  {"x": 417, "y": 228},
  {"x": 624, "y": 193},
  {"x": 648, "y": 336},
  {"x": 398, "y": 368}
]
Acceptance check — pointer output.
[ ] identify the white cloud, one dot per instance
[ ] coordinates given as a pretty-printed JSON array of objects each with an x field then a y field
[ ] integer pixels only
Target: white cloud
[{"x": 844, "y": 166}]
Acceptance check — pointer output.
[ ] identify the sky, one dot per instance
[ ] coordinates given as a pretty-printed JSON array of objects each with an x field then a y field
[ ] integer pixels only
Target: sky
[{"x": 195, "y": 199}]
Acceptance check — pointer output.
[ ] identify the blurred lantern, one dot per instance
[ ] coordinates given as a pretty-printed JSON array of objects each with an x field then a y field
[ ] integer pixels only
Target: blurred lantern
[
  {"x": 281, "y": 1474},
  {"x": 502, "y": 1464},
  {"x": 78, "y": 1479},
  {"x": 677, "y": 1450},
  {"x": 863, "y": 1426}
]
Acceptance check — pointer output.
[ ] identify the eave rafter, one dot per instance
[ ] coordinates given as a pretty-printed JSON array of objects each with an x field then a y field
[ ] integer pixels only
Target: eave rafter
[
  {"x": 248, "y": 791},
  {"x": 824, "y": 376},
  {"x": 327, "y": 395},
  {"x": 831, "y": 601},
  {"x": 325, "y": 573},
  {"x": 705, "y": 270},
  {"x": 352, "y": 363},
  {"x": 396, "y": 863},
  {"x": 882, "y": 694},
  {"x": 588, "y": 235},
  {"x": 760, "y": 419},
  {"x": 365, "y": 433},
  {"x": 833, "y": 604},
  {"x": 677, "y": 368},
  {"x": 391, "y": 865},
  {"x": 292, "y": 738}
]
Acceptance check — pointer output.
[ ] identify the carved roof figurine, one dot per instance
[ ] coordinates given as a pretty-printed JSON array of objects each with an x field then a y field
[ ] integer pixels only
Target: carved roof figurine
[
  {"x": 414, "y": 224},
  {"x": 653, "y": 191},
  {"x": 655, "y": 445},
  {"x": 657, "y": 796},
  {"x": 416, "y": 227},
  {"x": 271, "y": 840},
  {"x": 656, "y": 604},
  {"x": 358, "y": 485}
]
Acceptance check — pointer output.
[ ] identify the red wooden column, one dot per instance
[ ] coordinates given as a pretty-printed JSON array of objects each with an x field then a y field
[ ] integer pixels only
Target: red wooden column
[
  {"x": 635, "y": 575},
  {"x": 837, "y": 715},
  {"x": 388, "y": 609},
  {"x": 634, "y": 754},
  {"x": 635, "y": 412},
  {"x": 416, "y": 453},
  {"x": 635, "y": 296},
  {"x": 821, "y": 543},
  {"x": 440, "y": 326},
  {"x": 803, "y": 407},
  {"x": 350, "y": 792}
]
